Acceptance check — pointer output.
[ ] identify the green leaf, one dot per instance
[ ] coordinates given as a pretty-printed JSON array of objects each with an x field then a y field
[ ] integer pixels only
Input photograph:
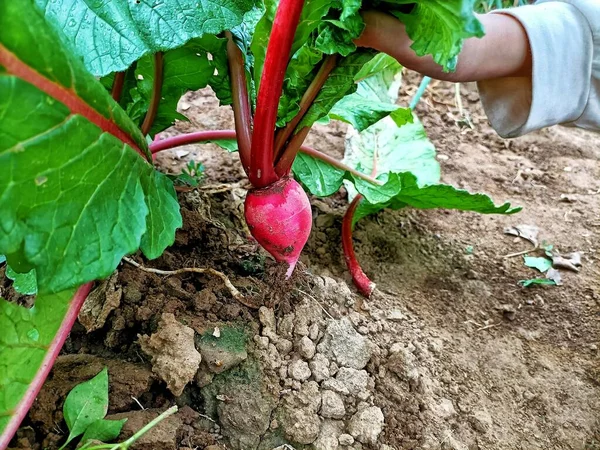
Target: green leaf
[
  {"x": 396, "y": 149},
  {"x": 540, "y": 263},
  {"x": 339, "y": 84},
  {"x": 320, "y": 178},
  {"x": 2, "y": 259},
  {"x": 24, "y": 340},
  {"x": 439, "y": 27},
  {"x": 425, "y": 197},
  {"x": 110, "y": 36},
  {"x": 361, "y": 112},
  {"x": 86, "y": 403},
  {"x": 75, "y": 197},
  {"x": 537, "y": 282},
  {"x": 103, "y": 430},
  {"x": 23, "y": 283}
]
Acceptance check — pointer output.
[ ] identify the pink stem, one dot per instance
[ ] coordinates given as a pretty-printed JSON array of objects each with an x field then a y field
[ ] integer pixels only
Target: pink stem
[
  {"x": 262, "y": 173},
  {"x": 53, "y": 350},
  {"x": 362, "y": 282},
  {"x": 202, "y": 136}
]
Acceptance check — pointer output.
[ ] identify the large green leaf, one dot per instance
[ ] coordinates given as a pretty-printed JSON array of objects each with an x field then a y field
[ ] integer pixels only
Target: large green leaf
[
  {"x": 111, "y": 35},
  {"x": 24, "y": 340},
  {"x": 396, "y": 149},
  {"x": 439, "y": 27},
  {"x": 74, "y": 195}
]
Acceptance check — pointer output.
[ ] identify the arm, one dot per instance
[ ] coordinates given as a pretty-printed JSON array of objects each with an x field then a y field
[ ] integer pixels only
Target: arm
[{"x": 504, "y": 51}]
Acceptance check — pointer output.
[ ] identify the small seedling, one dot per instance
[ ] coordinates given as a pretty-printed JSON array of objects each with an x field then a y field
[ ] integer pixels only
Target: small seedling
[{"x": 84, "y": 411}]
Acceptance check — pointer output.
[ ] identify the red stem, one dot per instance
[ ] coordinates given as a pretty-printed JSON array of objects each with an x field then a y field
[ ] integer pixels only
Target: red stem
[
  {"x": 53, "y": 350},
  {"x": 117, "y": 87},
  {"x": 284, "y": 165},
  {"x": 156, "y": 93},
  {"x": 241, "y": 102},
  {"x": 362, "y": 282},
  {"x": 203, "y": 136},
  {"x": 262, "y": 172}
]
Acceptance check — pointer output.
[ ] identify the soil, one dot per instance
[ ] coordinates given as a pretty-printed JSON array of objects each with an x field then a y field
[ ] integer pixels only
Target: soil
[{"x": 457, "y": 354}]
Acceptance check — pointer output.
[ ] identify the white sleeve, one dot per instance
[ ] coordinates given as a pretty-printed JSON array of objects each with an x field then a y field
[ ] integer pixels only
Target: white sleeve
[{"x": 565, "y": 83}]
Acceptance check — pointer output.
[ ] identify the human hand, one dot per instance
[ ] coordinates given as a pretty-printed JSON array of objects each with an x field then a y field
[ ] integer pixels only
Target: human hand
[{"x": 504, "y": 51}]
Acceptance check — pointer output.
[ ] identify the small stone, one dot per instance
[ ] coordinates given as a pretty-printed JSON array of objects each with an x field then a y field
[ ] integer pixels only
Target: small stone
[
  {"x": 299, "y": 370},
  {"x": 342, "y": 343},
  {"x": 332, "y": 405},
  {"x": 335, "y": 386},
  {"x": 174, "y": 355},
  {"x": 319, "y": 366},
  {"x": 356, "y": 381},
  {"x": 328, "y": 436},
  {"x": 445, "y": 409},
  {"x": 346, "y": 439},
  {"x": 366, "y": 425},
  {"x": 220, "y": 358},
  {"x": 261, "y": 342},
  {"x": 305, "y": 347},
  {"x": 396, "y": 315},
  {"x": 333, "y": 368},
  {"x": 267, "y": 317},
  {"x": 270, "y": 333},
  {"x": 286, "y": 326},
  {"x": 313, "y": 332},
  {"x": 283, "y": 346}
]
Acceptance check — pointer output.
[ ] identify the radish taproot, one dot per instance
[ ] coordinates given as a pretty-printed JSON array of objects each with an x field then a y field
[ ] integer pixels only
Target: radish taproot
[{"x": 279, "y": 217}]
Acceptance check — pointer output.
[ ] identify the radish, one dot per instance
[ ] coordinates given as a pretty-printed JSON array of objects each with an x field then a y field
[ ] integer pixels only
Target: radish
[{"x": 279, "y": 217}]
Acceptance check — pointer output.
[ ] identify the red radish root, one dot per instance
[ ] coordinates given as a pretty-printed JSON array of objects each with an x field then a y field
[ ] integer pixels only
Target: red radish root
[{"x": 279, "y": 217}]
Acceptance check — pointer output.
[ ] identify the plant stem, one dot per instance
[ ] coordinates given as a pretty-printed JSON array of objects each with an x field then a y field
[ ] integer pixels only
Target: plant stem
[
  {"x": 305, "y": 103},
  {"x": 190, "y": 138},
  {"x": 241, "y": 102},
  {"x": 117, "y": 87},
  {"x": 422, "y": 88},
  {"x": 262, "y": 172},
  {"x": 169, "y": 412},
  {"x": 156, "y": 93},
  {"x": 284, "y": 165},
  {"x": 42, "y": 373},
  {"x": 126, "y": 444},
  {"x": 362, "y": 282},
  {"x": 203, "y": 136}
]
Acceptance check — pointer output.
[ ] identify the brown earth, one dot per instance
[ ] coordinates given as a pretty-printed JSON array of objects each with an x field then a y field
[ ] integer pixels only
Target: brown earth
[{"x": 462, "y": 357}]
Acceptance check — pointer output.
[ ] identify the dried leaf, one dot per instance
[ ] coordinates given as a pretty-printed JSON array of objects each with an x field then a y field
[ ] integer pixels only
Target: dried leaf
[
  {"x": 527, "y": 232},
  {"x": 571, "y": 261},
  {"x": 100, "y": 303}
]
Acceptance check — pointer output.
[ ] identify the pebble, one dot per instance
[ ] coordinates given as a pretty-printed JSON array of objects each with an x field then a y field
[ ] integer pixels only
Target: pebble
[
  {"x": 283, "y": 346},
  {"x": 319, "y": 366},
  {"x": 355, "y": 381},
  {"x": 342, "y": 343},
  {"x": 299, "y": 370},
  {"x": 346, "y": 439},
  {"x": 305, "y": 347},
  {"x": 261, "y": 342},
  {"x": 267, "y": 317},
  {"x": 366, "y": 425},
  {"x": 332, "y": 405},
  {"x": 313, "y": 332}
]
